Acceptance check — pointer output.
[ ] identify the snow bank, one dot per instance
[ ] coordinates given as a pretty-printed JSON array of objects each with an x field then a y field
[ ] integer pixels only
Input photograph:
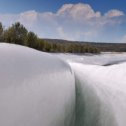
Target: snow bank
[
  {"x": 101, "y": 95},
  {"x": 36, "y": 89}
]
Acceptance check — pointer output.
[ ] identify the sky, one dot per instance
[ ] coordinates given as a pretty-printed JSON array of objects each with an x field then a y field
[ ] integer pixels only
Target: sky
[{"x": 77, "y": 20}]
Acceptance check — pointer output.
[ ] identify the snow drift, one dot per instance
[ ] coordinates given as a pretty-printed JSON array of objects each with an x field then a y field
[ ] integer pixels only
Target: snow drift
[
  {"x": 40, "y": 89},
  {"x": 101, "y": 95},
  {"x": 36, "y": 89}
]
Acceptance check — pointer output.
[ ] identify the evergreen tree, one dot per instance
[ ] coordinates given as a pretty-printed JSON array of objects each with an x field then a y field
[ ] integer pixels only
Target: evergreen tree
[
  {"x": 31, "y": 40},
  {"x": 16, "y": 34}
]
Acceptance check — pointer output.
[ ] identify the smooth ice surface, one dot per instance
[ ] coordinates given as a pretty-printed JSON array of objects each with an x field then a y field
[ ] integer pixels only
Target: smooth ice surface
[
  {"x": 41, "y": 89},
  {"x": 36, "y": 89}
]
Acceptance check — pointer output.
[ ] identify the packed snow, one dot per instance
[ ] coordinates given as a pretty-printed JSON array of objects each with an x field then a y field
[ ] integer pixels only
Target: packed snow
[{"x": 41, "y": 89}]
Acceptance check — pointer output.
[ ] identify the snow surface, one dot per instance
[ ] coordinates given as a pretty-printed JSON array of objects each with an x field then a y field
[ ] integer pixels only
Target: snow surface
[
  {"x": 36, "y": 89},
  {"x": 102, "y": 94},
  {"x": 41, "y": 89},
  {"x": 95, "y": 59}
]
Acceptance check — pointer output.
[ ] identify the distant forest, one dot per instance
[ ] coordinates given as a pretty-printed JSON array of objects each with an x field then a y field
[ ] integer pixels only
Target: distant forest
[{"x": 18, "y": 34}]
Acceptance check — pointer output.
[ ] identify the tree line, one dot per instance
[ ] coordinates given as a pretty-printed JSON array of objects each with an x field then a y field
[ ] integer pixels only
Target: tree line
[{"x": 18, "y": 34}]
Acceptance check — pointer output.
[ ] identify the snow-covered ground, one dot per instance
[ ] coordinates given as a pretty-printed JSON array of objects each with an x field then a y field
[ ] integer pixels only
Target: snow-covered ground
[
  {"x": 102, "y": 94},
  {"x": 95, "y": 59},
  {"x": 41, "y": 89},
  {"x": 36, "y": 89}
]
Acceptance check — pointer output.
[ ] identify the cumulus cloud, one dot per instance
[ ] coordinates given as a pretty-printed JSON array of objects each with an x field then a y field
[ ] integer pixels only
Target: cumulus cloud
[
  {"x": 114, "y": 13},
  {"x": 78, "y": 11},
  {"x": 71, "y": 21},
  {"x": 28, "y": 17},
  {"x": 123, "y": 39}
]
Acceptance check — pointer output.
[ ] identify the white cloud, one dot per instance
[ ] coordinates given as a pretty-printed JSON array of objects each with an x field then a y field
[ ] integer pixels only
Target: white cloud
[
  {"x": 29, "y": 18},
  {"x": 63, "y": 34},
  {"x": 84, "y": 35},
  {"x": 123, "y": 39},
  {"x": 71, "y": 21},
  {"x": 78, "y": 11},
  {"x": 114, "y": 13},
  {"x": 8, "y": 19}
]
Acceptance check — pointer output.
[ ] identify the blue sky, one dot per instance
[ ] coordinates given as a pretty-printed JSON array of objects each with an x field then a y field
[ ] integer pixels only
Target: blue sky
[
  {"x": 84, "y": 20},
  {"x": 16, "y": 6}
]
